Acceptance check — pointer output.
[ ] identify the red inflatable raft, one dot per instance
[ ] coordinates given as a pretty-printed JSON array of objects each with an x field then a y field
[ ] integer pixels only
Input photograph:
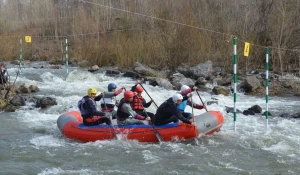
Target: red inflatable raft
[{"x": 70, "y": 125}]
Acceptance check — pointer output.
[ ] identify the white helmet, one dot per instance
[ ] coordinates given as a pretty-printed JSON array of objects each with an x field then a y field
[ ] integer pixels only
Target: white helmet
[
  {"x": 183, "y": 88},
  {"x": 177, "y": 97}
]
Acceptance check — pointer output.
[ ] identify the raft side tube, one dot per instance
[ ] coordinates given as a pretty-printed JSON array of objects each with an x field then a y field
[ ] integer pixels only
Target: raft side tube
[
  {"x": 209, "y": 121},
  {"x": 63, "y": 119}
]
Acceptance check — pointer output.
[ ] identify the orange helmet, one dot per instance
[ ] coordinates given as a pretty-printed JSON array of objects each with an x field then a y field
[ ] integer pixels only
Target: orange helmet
[
  {"x": 128, "y": 94},
  {"x": 139, "y": 89}
]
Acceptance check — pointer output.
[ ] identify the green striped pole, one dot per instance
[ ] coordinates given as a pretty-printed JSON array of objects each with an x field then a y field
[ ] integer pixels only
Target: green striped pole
[
  {"x": 267, "y": 85},
  {"x": 21, "y": 53},
  {"x": 234, "y": 81},
  {"x": 67, "y": 55}
]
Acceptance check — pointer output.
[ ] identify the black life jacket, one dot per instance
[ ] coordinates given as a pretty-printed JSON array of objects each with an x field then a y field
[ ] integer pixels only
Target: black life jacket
[{"x": 120, "y": 113}]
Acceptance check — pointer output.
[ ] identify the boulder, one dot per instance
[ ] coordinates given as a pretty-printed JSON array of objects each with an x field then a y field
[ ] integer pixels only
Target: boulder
[
  {"x": 255, "y": 109},
  {"x": 33, "y": 88},
  {"x": 251, "y": 84},
  {"x": 248, "y": 112},
  {"x": 230, "y": 110},
  {"x": 144, "y": 70},
  {"x": 179, "y": 79},
  {"x": 93, "y": 68},
  {"x": 112, "y": 72},
  {"x": 202, "y": 70},
  {"x": 45, "y": 102},
  {"x": 17, "y": 100},
  {"x": 220, "y": 90},
  {"x": 269, "y": 114},
  {"x": 161, "y": 82},
  {"x": 11, "y": 108},
  {"x": 131, "y": 74}
]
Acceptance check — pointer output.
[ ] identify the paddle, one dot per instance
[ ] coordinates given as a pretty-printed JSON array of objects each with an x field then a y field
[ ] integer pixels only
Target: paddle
[
  {"x": 158, "y": 136},
  {"x": 148, "y": 94},
  {"x": 195, "y": 138},
  {"x": 201, "y": 100}
]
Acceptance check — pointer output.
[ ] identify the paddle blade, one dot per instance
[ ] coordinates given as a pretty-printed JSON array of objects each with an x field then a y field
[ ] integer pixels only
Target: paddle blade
[
  {"x": 196, "y": 141},
  {"x": 158, "y": 136}
]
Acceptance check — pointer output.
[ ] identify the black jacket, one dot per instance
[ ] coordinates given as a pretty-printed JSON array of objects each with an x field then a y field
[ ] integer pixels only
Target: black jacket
[{"x": 169, "y": 109}]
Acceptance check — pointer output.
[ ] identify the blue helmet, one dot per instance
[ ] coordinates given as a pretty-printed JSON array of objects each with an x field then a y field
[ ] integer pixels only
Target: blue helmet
[{"x": 111, "y": 86}]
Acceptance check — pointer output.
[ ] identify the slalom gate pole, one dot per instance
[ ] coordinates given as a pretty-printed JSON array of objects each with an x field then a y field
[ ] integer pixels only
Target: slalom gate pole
[
  {"x": 234, "y": 81},
  {"x": 267, "y": 86},
  {"x": 67, "y": 55},
  {"x": 21, "y": 53},
  {"x": 195, "y": 138}
]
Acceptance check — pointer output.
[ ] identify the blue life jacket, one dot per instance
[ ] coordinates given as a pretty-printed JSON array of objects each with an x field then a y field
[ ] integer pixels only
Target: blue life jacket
[{"x": 182, "y": 106}]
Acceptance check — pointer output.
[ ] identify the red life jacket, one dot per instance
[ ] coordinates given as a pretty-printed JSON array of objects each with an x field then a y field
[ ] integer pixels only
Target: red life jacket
[{"x": 137, "y": 103}]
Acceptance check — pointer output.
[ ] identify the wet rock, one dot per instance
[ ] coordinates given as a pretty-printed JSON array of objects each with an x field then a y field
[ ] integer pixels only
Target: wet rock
[
  {"x": 33, "y": 88},
  {"x": 131, "y": 74},
  {"x": 3, "y": 104},
  {"x": 210, "y": 102},
  {"x": 285, "y": 115},
  {"x": 200, "y": 81},
  {"x": 185, "y": 70},
  {"x": 269, "y": 114},
  {"x": 251, "y": 84},
  {"x": 297, "y": 115},
  {"x": 179, "y": 79},
  {"x": 93, "y": 68},
  {"x": 248, "y": 112},
  {"x": 24, "y": 89},
  {"x": 17, "y": 100},
  {"x": 164, "y": 83},
  {"x": 256, "y": 109},
  {"x": 218, "y": 81},
  {"x": 220, "y": 90},
  {"x": 202, "y": 70},
  {"x": 144, "y": 70},
  {"x": 230, "y": 110},
  {"x": 45, "y": 102},
  {"x": 11, "y": 108},
  {"x": 112, "y": 72}
]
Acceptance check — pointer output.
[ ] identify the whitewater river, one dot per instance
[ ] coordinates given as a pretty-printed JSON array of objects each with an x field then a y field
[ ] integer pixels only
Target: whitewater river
[{"x": 31, "y": 143}]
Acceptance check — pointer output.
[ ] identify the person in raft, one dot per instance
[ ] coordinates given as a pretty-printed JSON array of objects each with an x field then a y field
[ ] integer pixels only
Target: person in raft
[
  {"x": 125, "y": 114},
  {"x": 108, "y": 99},
  {"x": 168, "y": 111},
  {"x": 139, "y": 103},
  {"x": 91, "y": 116},
  {"x": 186, "y": 91}
]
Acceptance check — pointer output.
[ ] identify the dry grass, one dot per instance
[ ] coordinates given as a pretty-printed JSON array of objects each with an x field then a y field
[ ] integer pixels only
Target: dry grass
[{"x": 110, "y": 37}]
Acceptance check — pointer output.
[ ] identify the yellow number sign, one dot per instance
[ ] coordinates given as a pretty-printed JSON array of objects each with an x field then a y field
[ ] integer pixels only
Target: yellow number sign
[
  {"x": 247, "y": 49},
  {"x": 28, "y": 39}
]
